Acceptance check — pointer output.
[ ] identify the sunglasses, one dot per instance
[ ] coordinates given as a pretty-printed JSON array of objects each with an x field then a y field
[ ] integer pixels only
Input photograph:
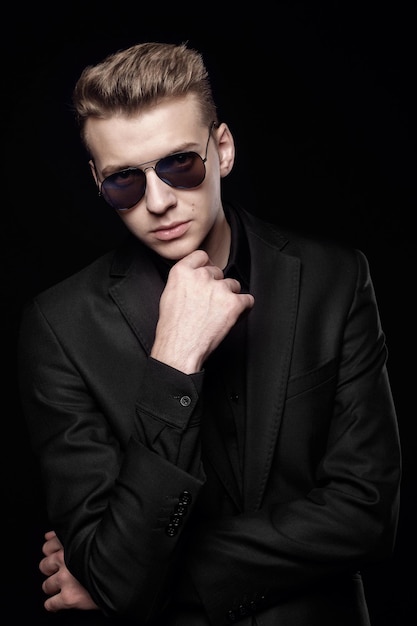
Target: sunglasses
[{"x": 183, "y": 170}]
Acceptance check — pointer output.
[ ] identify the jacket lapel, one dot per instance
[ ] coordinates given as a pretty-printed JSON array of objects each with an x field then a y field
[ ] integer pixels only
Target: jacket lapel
[
  {"x": 136, "y": 289},
  {"x": 271, "y": 328}
]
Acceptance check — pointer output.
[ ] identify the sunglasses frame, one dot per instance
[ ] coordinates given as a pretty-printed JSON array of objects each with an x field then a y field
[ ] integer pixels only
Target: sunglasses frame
[{"x": 139, "y": 167}]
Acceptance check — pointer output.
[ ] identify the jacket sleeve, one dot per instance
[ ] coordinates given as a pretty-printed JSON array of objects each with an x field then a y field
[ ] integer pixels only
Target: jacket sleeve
[{"x": 119, "y": 504}]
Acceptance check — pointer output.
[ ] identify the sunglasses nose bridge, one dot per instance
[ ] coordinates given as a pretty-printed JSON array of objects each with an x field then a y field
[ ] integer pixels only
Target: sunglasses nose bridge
[
  {"x": 154, "y": 168},
  {"x": 159, "y": 176}
]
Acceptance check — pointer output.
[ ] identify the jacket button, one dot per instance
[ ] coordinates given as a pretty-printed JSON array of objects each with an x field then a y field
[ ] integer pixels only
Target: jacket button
[
  {"x": 243, "y": 610},
  {"x": 185, "y": 401},
  {"x": 171, "y": 530},
  {"x": 176, "y": 520},
  {"x": 185, "y": 497},
  {"x": 181, "y": 509}
]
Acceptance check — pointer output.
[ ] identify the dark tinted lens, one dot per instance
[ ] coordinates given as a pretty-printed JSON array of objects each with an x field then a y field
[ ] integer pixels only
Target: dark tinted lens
[
  {"x": 183, "y": 170},
  {"x": 124, "y": 189}
]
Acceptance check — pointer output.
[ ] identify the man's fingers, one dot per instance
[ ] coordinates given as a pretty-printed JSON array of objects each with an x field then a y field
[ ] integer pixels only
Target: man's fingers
[
  {"x": 233, "y": 284},
  {"x": 51, "y": 563},
  {"x": 52, "y": 604},
  {"x": 51, "y": 546},
  {"x": 51, "y": 585},
  {"x": 50, "y": 534},
  {"x": 195, "y": 259},
  {"x": 65, "y": 592},
  {"x": 49, "y": 566}
]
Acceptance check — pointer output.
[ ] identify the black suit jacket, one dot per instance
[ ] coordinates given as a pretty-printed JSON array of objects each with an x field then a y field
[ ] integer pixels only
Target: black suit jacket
[{"x": 321, "y": 472}]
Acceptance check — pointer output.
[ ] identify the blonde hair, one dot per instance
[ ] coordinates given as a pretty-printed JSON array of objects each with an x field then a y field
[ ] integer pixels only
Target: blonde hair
[{"x": 130, "y": 80}]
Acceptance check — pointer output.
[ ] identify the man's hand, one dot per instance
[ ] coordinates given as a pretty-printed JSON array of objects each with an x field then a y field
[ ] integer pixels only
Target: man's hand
[
  {"x": 64, "y": 590},
  {"x": 198, "y": 307}
]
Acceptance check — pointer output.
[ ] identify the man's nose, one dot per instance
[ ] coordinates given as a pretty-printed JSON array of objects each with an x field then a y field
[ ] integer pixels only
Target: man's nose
[{"x": 158, "y": 195}]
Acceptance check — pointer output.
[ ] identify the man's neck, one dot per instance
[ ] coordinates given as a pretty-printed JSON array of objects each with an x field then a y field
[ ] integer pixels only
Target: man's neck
[{"x": 217, "y": 243}]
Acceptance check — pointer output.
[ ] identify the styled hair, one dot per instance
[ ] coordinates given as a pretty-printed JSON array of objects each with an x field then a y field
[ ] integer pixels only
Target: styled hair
[{"x": 131, "y": 80}]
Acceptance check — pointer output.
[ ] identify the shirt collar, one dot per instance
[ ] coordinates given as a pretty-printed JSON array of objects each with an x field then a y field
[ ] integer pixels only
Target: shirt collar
[{"x": 238, "y": 265}]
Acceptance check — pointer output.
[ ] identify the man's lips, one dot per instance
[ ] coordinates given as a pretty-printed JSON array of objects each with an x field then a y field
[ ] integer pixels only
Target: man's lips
[{"x": 171, "y": 231}]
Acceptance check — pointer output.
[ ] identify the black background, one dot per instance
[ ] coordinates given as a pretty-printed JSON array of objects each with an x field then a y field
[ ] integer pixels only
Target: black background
[{"x": 320, "y": 98}]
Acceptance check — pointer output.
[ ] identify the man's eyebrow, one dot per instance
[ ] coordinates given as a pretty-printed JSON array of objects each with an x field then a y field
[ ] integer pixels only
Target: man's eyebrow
[{"x": 184, "y": 147}]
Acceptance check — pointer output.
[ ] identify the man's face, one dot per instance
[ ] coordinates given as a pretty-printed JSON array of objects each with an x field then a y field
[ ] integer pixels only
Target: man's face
[{"x": 172, "y": 222}]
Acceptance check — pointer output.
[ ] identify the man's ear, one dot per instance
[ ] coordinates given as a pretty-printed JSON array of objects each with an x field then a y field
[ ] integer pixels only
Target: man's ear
[
  {"x": 226, "y": 149},
  {"x": 93, "y": 170}
]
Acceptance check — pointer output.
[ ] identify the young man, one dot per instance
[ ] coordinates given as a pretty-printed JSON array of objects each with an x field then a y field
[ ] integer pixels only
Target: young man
[{"x": 209, "y": 403}]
